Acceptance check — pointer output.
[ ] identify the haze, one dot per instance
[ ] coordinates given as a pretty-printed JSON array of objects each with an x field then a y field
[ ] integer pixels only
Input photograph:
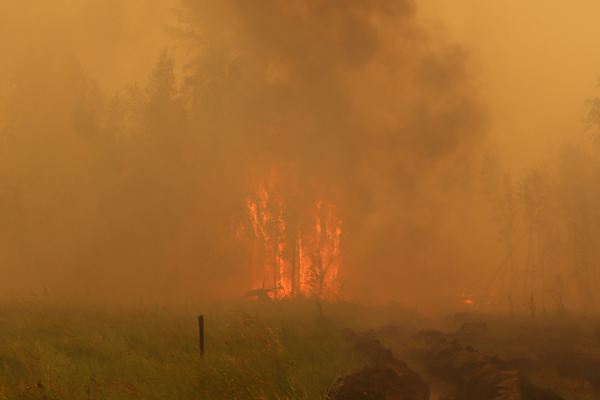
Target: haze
[{"x": 134, "y": 133}]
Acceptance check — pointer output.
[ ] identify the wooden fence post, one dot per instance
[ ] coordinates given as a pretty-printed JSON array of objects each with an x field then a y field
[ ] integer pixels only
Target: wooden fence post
[{"x": 201, "y": 327}]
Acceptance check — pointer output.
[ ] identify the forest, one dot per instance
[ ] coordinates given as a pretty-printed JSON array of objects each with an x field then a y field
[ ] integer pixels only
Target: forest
[{"x": 321, "y": 179}]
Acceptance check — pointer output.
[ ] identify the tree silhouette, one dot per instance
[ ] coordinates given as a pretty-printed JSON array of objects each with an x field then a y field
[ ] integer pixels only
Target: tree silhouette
[
  {"x": 580, "y": 193},
  {"x": 506, "y": 209},
  {"x": 593, "y": 117},
  {"x": 533, "y": 194}
]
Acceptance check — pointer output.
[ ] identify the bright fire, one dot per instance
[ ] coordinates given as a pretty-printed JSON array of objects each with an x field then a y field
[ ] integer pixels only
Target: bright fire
[{"x": 296, "y": 249}]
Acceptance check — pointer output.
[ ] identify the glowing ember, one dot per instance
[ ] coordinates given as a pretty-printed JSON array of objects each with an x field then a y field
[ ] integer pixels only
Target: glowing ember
[
  {"x": 296, "y": 246},
  {"x": 467, "y": 299}
]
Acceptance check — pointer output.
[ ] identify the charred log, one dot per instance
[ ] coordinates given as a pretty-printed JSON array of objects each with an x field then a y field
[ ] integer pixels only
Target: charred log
[{"x": 262, "y": 295}]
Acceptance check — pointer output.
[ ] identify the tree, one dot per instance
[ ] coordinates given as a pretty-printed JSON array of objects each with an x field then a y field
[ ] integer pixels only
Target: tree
[
  {"x": 506, "y": 206},
  {"x": 593, "y": 117},
  {"x": 580, "y": 188},
  {"x": 533, "y": 194},
  {"x": 164, "y": 110}
]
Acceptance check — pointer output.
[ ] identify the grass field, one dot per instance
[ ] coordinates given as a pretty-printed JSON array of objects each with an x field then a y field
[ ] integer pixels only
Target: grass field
[
  {"x": 275, "y": 352},
  {"x": 283, "y": 351}
]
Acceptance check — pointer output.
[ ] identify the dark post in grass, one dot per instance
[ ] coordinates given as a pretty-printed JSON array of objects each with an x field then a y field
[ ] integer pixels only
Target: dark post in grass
[{"x": 201, "y": 326}]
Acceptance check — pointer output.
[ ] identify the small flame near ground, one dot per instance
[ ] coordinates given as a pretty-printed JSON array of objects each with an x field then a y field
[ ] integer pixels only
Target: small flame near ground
[
  {"x": 475, "y": 301},
  {"x": 296, "y": 241}
]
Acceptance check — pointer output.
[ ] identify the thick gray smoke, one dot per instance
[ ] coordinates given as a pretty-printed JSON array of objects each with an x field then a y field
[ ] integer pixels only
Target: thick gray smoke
[{"x": 142, "y": 191}]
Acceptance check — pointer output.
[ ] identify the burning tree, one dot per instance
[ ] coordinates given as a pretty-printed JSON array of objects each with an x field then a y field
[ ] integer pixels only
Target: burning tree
[{"x": 296, "y": 240}]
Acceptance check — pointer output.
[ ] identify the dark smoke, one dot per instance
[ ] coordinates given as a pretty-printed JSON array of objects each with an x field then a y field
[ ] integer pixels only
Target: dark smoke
[{"x": 141, "y": 192}]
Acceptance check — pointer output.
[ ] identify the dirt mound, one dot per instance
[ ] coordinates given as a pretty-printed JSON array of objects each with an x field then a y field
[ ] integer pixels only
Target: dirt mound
[
  {"x": 382, "y": 382},
  {"x": 470, "y": 331},
  {"x": 473, "y": 327},
  {"x": 378, "y": 354},
  {"x": 430, "y": 337},
  {"x": 385, "y": 378},
  {"x": 479, "y": 377},
  {"x": 395, "y": 332},
  {"x": 351, "y": 336}
]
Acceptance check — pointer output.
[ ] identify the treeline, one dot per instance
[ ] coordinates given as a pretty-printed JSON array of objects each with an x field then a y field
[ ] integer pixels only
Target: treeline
[
  {"x": 549, "y": 223},
  {"x": 126, "y": 193},
  {"x": 144, "y": 191}
]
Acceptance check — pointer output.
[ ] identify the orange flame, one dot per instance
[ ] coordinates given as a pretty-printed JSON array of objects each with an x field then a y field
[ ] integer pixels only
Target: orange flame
[{"x": 296, "y": 250}]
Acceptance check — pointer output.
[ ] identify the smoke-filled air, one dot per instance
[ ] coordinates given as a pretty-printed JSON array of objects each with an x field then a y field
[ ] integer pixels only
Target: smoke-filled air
[{"x": 421, "y": 155}]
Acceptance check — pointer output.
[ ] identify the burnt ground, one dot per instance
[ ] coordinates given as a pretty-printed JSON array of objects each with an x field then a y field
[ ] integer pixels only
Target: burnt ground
[{"x": 476, "y": 357}]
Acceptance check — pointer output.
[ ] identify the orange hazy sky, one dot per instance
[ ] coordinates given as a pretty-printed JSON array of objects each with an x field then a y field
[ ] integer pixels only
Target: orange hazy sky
[{"x": 537, "y": 62}]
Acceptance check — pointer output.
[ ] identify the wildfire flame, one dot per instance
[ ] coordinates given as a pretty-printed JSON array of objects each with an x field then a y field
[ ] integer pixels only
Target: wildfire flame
[{"x": 296, "y": 249}]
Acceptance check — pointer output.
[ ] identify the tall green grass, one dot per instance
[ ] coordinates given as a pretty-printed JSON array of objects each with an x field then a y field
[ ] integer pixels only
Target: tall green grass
[{"x": 273, "y": 352}]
